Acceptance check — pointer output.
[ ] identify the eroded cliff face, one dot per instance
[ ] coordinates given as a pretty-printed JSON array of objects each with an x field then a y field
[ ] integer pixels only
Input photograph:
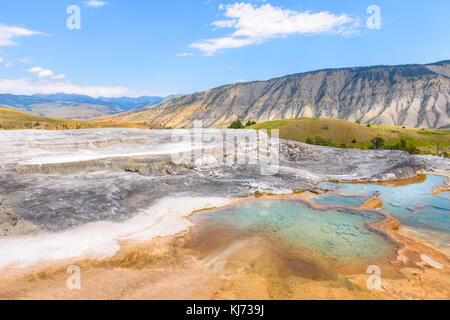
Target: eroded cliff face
[{"x": 410, "y": 95}]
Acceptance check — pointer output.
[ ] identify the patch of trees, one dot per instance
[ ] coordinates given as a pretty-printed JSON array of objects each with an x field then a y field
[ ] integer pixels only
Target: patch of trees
[
  {"x": 403, "y": 145},
  {"x": 237, "y": 124},
  {"x": 318, "y": 141},
  {"x": 376, "y": 143}
]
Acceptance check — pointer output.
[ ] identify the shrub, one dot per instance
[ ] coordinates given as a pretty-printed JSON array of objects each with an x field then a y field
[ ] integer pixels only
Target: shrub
[
  {"x": 236, "y": 125},
  {"x": 319, "y": 141},
  {"x": 394, "y": 147},
  {"x": 369, "y": 125},
  {"x": 412, "y": 150},
  {"x": 377, "y": 142},
  {"x": 358, "y": 121},
  {"x": 402, "y": 144},
  {"x": 354, "y": 141},
  {"x": 250, "y": 123}
]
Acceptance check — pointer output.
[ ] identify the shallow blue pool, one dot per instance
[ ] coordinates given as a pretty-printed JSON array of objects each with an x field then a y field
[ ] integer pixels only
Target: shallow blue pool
[
  {"x": 413, "y": 205},
  {"x": 334, "y": 234},
  {"x": 336, "y": 229}
]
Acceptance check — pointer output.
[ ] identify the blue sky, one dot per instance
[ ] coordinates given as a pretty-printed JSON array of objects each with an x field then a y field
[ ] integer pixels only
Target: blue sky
[{"x": 159, "y": 47}]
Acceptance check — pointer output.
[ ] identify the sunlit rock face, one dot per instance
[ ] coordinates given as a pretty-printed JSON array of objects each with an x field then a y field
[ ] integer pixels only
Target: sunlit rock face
[
  {"x": 61, "y": 179},
  {"x": 408, "y": 95}
]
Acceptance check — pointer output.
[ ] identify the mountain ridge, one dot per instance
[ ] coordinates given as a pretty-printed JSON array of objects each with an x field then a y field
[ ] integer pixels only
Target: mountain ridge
[
  {"x": 75, "y": 106},
  {"x": 415, "y": 95}
]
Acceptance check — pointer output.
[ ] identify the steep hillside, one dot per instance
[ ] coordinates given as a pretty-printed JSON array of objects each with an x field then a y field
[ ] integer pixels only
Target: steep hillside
[{"x": 408, "y": 95}]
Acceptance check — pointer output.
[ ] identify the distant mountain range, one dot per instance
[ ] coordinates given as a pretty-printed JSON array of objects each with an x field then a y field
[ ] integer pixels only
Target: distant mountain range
[
  {"x": 73, "y": 106},
  {"x": 404, "y": 95}
]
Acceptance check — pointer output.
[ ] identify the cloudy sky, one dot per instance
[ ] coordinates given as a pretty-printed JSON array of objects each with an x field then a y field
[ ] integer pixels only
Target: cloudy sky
[{"x": 149, "y": 47}]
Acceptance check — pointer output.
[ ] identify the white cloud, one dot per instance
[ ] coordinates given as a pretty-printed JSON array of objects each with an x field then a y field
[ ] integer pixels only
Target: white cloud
[
  {"x": 1, "y": 59},
  {"x": 210, "y": 46},
  {"x": 45, "y": 73},
  {"x": 17, "y": 61},
  {"x": 59, "y": 77},
  {"x": 35, "y": 69},
  {"x": 254, "y": 25},
  {"x": 224, "y": 23},
  {"x": 8, "y": 33},
  {"x": 185, "y": 54},
  {"x": 27, "y": 87},
  {"x": 95, "y": 3}
]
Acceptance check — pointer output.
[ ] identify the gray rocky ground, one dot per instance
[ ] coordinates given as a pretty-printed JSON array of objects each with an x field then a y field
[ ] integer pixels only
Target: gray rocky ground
[{"x": 55, "y": 180}]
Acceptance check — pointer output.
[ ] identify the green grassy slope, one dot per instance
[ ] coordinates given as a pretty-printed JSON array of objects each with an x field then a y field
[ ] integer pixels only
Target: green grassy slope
[{"x": 340, "y": 132}]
